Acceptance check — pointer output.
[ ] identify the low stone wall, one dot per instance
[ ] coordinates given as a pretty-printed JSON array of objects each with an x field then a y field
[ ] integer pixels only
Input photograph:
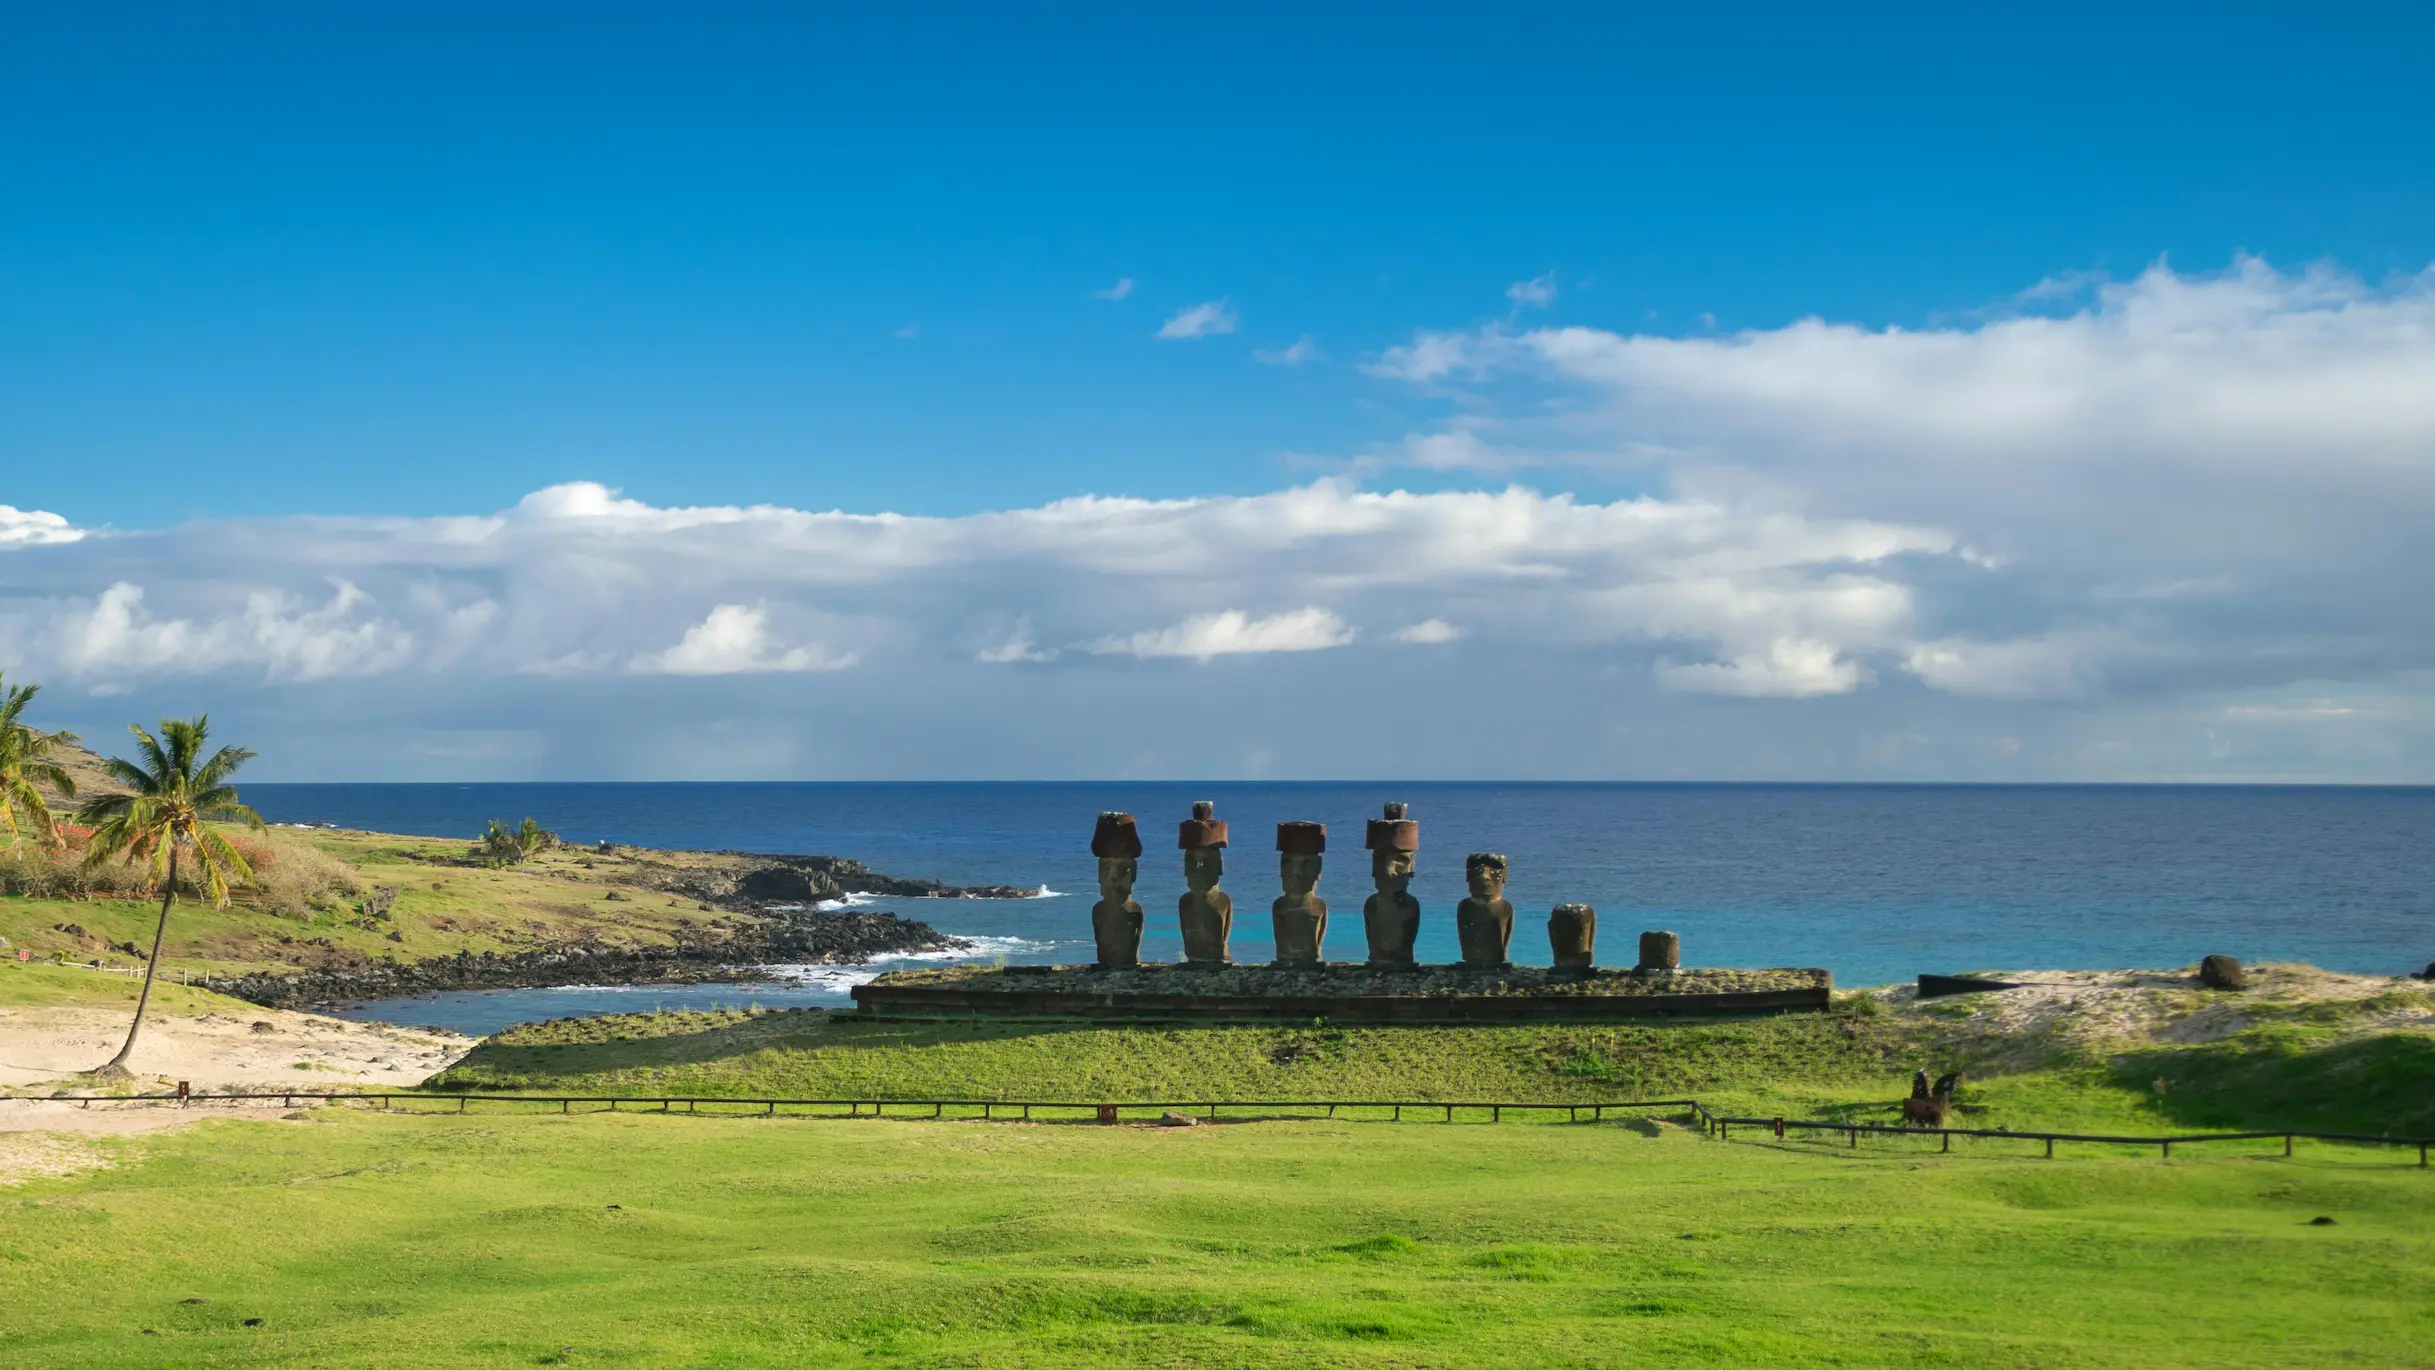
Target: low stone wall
[{"x": 1352, "y": 993}]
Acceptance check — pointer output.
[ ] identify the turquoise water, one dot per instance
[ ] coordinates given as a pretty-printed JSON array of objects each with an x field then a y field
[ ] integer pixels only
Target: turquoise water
[{"x": 1876, "y": 883}]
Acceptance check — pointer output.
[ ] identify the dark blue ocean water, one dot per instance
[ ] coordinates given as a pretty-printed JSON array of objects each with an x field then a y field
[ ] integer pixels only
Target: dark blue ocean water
[{"x": 1877, "y": 883}]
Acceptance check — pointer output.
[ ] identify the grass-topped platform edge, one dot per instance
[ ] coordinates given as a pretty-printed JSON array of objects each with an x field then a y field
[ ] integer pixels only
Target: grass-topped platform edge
[{"x": 1348, "y": 992}]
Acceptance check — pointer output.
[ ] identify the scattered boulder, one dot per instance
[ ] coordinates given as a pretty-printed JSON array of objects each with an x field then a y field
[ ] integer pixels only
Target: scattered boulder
[
  {"x": 2222, "y": 972},
  {"x": 779, "y": 885},
  {"x": 261, "y": 1026},
  {"x": 1174, "y": 1119},
  {"x": 2320, "y": 1221}
]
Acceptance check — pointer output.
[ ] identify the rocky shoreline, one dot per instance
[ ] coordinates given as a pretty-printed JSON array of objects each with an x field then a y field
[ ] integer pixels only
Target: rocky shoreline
[{"x": 794, "y": 938}]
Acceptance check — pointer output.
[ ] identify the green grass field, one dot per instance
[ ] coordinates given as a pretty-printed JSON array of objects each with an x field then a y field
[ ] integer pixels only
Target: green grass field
[{"x": 362, "y": 1240}]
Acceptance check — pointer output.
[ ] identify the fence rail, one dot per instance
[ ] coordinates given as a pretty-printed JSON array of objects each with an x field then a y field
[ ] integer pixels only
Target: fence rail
[{"x": 1713, "y": 1123}]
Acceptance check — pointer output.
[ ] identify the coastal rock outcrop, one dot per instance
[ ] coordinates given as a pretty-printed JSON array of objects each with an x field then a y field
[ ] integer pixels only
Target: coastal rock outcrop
[{"x": 796, "y": 939}]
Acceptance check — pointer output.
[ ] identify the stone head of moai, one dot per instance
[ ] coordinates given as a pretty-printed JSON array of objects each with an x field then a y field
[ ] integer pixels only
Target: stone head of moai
[
  {"x": 1117, "y": 844},
  {"x": 1300, "y": 848},
  {"x": 1484, "y": 873},
  {"x": 1203, "y": 839},
  {"x": 1394, "y": 843}
]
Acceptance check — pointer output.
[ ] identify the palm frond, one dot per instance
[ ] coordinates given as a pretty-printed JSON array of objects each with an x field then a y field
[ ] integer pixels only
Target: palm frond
[
  {"x": 105, "y": 809},
  {"x": 213, "y": 774},
  {"x": 57, "y": 777},
  {"x": 219, "y": 860},
  {"x": 156, "y": 769}
]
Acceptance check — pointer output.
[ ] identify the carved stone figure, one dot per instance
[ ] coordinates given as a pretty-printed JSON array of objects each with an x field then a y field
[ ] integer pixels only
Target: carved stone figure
[
  {"x": 1660, "y": 951},
  {"x": 1483, "y": 922},
  {"x": 1206, "y": 912},
  {"x": 1572, "y": 934},
  {"x": 1116, "y": 919},
  {"x": 1300, "y": 916},
  {"x": 1391, "y": 917}
]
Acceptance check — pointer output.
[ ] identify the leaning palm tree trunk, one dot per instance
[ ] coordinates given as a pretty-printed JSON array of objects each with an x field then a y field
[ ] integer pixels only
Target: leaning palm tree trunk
[{"x": 169, "y": 894}]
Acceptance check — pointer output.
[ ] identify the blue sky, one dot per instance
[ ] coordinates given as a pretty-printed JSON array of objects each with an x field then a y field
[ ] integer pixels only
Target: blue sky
[
  {"x": 265, "y": 267},
  {"x": 430, "y": 259}
]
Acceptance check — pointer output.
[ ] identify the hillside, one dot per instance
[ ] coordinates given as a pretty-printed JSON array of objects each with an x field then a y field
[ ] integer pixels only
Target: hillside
[{"x": 84, "y": 766}]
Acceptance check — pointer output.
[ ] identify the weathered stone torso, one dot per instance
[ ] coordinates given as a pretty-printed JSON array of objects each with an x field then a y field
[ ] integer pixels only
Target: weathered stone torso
[{"x": 1485, "y": 927}]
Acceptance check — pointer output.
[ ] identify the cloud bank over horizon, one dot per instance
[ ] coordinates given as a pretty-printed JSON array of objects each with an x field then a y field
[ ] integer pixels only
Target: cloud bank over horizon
[{"x": 2164, "y": 528}]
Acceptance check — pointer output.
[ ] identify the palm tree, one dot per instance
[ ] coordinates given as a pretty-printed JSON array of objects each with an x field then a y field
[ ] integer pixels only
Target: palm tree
[
  {"x": 25, "y": 757},
  {"x": 176, "y": 795}
]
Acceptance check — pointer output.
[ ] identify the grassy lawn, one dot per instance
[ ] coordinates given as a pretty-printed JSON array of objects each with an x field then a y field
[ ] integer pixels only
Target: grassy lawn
[{"x": 362, "y": 1240}]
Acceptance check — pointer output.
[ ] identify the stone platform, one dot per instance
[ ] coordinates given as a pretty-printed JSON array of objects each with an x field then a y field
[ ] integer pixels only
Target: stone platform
[{"x": 1349, "y": 992}]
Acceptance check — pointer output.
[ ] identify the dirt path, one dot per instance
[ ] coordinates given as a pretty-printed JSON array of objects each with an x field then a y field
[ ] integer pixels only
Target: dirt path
[{"x": 47, "y": 1046}]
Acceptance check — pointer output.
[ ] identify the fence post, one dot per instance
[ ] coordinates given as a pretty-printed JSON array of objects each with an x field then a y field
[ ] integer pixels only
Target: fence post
[
  {"x": 1948, "y": 1146},
  {"x": 2168, "y": 1149},
  {"x": 461, "y": 1102},
  {"x": 1399, "y": 1113},
  {"x": 1496, "y": 1114},
  {"x": 1855, "y": 1139},
  {"x": 2286, "y": 1144},
  {"x": 1449, "y": 1113},
  {"x": 2050, "y": 1148}
]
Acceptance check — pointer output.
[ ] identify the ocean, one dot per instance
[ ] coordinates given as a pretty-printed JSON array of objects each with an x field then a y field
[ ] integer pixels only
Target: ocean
[{"x": 1877, "y": 883}]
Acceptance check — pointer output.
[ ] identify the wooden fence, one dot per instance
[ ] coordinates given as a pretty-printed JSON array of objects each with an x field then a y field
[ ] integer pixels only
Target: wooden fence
[{"x": 1714, "y": 1124}]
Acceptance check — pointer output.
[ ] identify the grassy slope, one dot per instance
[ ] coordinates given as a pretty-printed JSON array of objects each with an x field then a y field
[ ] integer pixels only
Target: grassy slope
[
  {"x": 442, "y": 908},
  {"x": 1842, "y": 1065},
  {"x": 368, "y": 1241}
]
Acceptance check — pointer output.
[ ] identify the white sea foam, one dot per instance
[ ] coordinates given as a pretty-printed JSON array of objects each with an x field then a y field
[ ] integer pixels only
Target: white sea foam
[{"x": 1047, "y": 893}]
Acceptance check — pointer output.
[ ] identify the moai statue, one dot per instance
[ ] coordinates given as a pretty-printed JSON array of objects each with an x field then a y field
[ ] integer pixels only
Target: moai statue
[
  {"x": 1116, "y": 919},
  {"x": 1484, "y": 921},
  {"x": 1392, "y": 916},
  {"x": 1300, "y": 915},
  {"x": 1206, "y": 912},
  {"x": 1572, "y": 934},
  {"x": 1660, "y": 951}
]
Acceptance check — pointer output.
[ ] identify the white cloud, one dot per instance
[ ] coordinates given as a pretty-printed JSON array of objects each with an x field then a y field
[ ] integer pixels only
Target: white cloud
[
  {"x": 274, "y": 631},
  {"x": 2051, "y": 666},
  {"x": 1536, "y": 293},
  {"x": 1199, "y": 321},
  {"x": 2229, "y": 471},
  {"x": 1234, "y": 633},
  {"x": 1432, "y": 356},
  {"x": 1789, "y": 668},
  {"x": 1015, "y": 646},
  {"x": 1426, "y": 633},
  {"x": 1304, "y": 349},
  {"x": 734, "y": 640},
  {"x": 1122, "y": 288},
  {"x": 33, "y": 528},
  {"x": 2107, "y": 541}
]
